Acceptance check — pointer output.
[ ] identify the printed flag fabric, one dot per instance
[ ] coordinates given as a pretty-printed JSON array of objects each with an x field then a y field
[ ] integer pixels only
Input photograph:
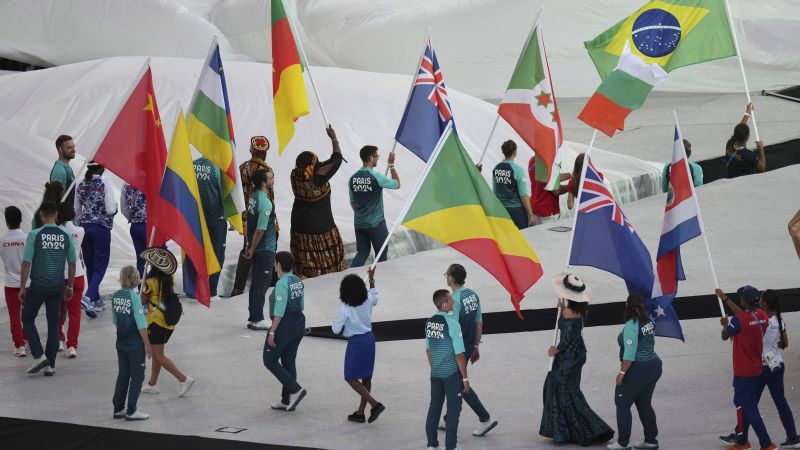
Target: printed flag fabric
[
  {"x": 210, "y": 130},
  {"x": 288, "y": 86},
  {"x": 180, "y": 212},
  {"x": 454, "y": 205},
  {"x": 680, "y": 224},
  {"x": 670, "y": 33},
  {"x": 529, "y": 106},
  {"x": 604, "y": 238},
  {"x": 622, "y": 91},
  {"x": 134, "y": 148},
  {"x": 428, "y": 110}
]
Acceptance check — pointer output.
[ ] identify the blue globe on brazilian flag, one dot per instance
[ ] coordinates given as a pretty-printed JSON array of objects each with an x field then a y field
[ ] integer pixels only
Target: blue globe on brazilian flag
[{"x": 670, "y": 33}]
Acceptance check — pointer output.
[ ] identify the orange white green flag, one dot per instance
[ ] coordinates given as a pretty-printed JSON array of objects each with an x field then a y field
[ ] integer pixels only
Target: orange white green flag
[
  {"x": 288, "y": 86},
  {"x": 454, "y": 205}
]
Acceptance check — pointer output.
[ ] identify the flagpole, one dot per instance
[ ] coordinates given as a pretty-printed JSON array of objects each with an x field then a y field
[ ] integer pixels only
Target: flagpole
[
  {"x": 699, "y": 216},
  {"x": 107, "y": 126},
  {"x": 410, "y": 199},
  {"x": 741, "y": 66},
  {"x": 308, "y": 66},
  {"x": 411, "y": 88},
  {"x": 572, "y": 233},
  {"x": 519, "y": 58}
]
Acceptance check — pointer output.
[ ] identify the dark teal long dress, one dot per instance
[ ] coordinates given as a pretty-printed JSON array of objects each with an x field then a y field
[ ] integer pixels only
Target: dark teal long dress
[{"x": 567, "y": 417}]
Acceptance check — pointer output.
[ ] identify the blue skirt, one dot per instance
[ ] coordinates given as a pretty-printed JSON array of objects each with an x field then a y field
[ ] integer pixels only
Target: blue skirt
[{"x": 359, "y": 359}]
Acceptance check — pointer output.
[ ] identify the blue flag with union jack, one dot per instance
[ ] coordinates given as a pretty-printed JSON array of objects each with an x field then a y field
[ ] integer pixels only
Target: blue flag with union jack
[
  {"x": 428, "y": 109},
  {"x": 605, "y": 239}
]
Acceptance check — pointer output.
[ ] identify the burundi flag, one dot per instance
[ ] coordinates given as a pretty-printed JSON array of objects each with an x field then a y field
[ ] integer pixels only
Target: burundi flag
[
  {"x": 454, "y": 205},
  {"x": 211, "y": 132},
  {"x": 622, "y": 91},
  {"x": 670, "y": 33},
  {"x": 529, "y": 106},
  {"x": 180, "y": 212},
  {"x": 288, "y": 86}
]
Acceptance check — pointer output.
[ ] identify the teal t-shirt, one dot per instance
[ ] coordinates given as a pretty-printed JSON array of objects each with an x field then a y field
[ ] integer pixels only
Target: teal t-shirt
[
  {"x": 287, "y": 298},
  {"x": 444, "y": 340},
  {"x": 697, "y": 175},
  {"x": 467, "y": 308},
  {"x": 62, "y": 172},
  {"x": 509, "y": 183},
  {"x": 261, "y": 215},
  {"x": 366, "y": 196},
  {"x": 637, "y": 341},
  {"x": 48, "y": 249},
  {"x": 129, "y": 316},
  {"x": 208, "y": 182}
]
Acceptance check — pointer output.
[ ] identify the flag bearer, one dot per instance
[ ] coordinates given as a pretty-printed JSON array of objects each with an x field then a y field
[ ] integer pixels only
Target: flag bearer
[{"x": 208, "y": 182}]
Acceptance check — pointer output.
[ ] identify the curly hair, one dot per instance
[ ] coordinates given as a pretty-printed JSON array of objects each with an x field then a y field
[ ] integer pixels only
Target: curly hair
[{"x": 353, "y": 290}]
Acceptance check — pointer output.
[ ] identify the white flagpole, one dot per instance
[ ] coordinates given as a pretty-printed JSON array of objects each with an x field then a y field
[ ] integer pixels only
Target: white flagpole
[
  {"x": 699, "y": 215},
  {"x": 308, "y": 65},
  {"x": 519, "y": 58},
  {"x": 410, "y": 200},
  {"x": 572, "y": 233},
  {"x": 741, "y": 66},
  {"x": 413, "y": 82},
  {"x": 107, "y": 126}
]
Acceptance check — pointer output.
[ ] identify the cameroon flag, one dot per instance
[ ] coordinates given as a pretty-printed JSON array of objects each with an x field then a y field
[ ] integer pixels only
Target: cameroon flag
[
  {"x": 670, "y": 33},
  {"x": 454, "y": 205},
  {"x": 288, "y": 87}
]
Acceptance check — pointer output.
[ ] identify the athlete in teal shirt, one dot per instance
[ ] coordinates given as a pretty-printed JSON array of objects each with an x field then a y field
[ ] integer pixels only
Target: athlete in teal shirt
[
  {"x": 208, "y": 183},
  {"x": 262, "y": 245},
  {"x": 511, "y": 187}
]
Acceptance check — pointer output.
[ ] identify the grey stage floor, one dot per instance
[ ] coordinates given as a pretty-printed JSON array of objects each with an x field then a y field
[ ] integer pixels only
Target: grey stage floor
[{"x": 746, "y": 218}]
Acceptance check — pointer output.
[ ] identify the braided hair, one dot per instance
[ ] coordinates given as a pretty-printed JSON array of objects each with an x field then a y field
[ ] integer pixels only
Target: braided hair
[{"x": 772, "y": 301}]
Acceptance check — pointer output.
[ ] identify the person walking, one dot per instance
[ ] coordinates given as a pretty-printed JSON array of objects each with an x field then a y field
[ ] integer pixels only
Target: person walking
[
  {"x": 738, "y": 159},
  {"x": 157, "y": 294},
  {"x": 366, "y": 198},
  {"x": 315, "y": 241},
  {"x": 12, "y": 247},
  {"x": 95, "y": 210},
  {"x": 61, "y": 171},
  {"x": 47, "y": 250},
  {"x": 445, "y": 351},
  {"x": 133, "y": 345},
  {"x": 286, "y": 306},
  {"x": 467, "y": 310},
  {"x": 510, "y": 187},
  {"x": 775, "y": 339},
  {"x": 639, "y": 372},
  {"x": 259, "y": 145},
  {"x": 354, "y": 320},
  {"x": 566, "y": 415},
  {"x": 263, "y": 243},
  {"x": 71, "y": 306},
  {"x": 208, "y": 182},
  {"x": 133, "y": 206}
]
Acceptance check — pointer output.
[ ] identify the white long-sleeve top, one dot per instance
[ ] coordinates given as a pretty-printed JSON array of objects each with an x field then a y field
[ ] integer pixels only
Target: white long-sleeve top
[{"x": 356, "y": 320}]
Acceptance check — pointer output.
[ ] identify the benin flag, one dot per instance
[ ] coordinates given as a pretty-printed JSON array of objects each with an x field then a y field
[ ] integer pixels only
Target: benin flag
[
  {"x": 210, "y": 130},
  {"x": 670, "y": 33},
  {"x": 454, "y": 205},
  {"x": 529, "y": 106},
  {"x": 180, "y": 212},
  {"x": 622, "y": 91},
  {"x": 288, "y": 87}
]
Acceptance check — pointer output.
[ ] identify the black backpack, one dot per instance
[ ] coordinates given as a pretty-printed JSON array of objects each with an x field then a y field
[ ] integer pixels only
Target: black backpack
[{"x": 173, "y": 310}]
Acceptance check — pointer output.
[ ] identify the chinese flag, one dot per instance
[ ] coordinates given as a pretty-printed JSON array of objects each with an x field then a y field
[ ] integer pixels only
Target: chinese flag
[{"x": 134, "y": 148}]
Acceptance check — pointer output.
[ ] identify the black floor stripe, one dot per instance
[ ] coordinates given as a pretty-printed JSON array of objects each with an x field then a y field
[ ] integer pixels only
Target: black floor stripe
[{"x": 688, "y": 308}]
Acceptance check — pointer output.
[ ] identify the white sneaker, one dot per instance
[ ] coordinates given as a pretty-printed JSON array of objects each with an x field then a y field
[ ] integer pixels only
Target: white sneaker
[
  {"x": 433, "y": 448},
  {"x": 616, "y": 446},
  {"x": 72, "y": 352},
  {"x": 484, "y": 427},
  {"x": 261, "y": 325},
  {"x": 38, "y": 364},
  {"x": 147, "y": 389},
  {"x": 295, "y": 399},
  {"x": 279, "y": 406},
  {"x": 185, "y": 386},
  {"x": 215, "y": 298},
  {"x": 645, "y": 445},
  {"x": 137, "y": 415},
  {"x": 49, "y": 371},
  {"x": 20, "y": 351},
  {"x": 119, "y": 414},
  {"x": 61, "y": 346}
]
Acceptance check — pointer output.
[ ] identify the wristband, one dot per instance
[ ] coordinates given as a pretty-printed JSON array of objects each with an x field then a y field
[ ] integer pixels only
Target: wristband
[
  {"x": 272, "y": 333},
  {"x": 621, "y": 372},
  {"x": 465, "y": 379},
  {"x": 391, "y": 166},
  {"x": 334, "y": 140}
]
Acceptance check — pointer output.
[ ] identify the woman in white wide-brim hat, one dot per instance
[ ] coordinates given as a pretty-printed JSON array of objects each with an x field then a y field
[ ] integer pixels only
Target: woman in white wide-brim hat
[{"x": 566, "y": 416}]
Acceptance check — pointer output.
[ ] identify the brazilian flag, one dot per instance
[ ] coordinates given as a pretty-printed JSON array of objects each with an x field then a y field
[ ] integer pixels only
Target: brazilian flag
[{"x": 670, "y": 33}]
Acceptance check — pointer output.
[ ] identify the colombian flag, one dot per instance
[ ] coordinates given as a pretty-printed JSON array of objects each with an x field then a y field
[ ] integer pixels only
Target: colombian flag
[
  {"x": 180, "y": 212},
  {"x": 670, "y": 33},
  {"x": 288, "y": 87},
  {"x": 454, "y": 205}
]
